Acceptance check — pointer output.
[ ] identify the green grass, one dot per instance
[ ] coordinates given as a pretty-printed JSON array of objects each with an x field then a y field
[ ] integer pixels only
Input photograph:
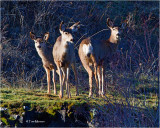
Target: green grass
[{"x": 18, "y": 97}]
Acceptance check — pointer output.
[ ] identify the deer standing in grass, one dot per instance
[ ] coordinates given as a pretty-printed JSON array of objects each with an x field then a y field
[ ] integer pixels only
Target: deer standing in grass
[
  {"x": 64, "y": 56},
  {"x": 45, "y": 53},
  {"x": 96, "y": 53}
]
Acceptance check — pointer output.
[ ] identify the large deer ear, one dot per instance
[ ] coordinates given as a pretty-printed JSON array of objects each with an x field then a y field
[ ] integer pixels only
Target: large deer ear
[
  {"x": 109, "y": 23},
  {"x": 61, "y": 27},
  {"x": 46, "y": 36},
  {"x": 75, "y": 27},
  {"x": 32, "y": 35}
]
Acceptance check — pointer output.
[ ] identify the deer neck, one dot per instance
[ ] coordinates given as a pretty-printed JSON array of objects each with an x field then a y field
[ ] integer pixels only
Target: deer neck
[
  {"x": 65, "y": 41},
  {"x": 42, "y": 51},
  {"x": 113, "y": 46},
  {"x": 113, "y": 38}
]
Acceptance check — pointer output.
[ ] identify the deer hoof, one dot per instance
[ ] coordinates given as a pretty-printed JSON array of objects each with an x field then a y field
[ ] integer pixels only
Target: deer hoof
[
  {"x": 102, "y": 94},
  {"x": 69, "y": 96},
  {"x": 60, "y": 96},
  {"x": 97, "y": 95}
]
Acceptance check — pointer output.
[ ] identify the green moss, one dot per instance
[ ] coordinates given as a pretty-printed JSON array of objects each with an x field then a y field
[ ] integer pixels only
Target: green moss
[
  {"x": 18, "y": 97},
  {"x": 11, "y": 118},
  {"x": 69, "y": 114},
  {"x": 5, "y": 105},
  {"x": 70, "y": 106},
  {"x": 51, "y": 112},
  {"x": 4, "y": 120},
  {"x": 16, "y": 111},
  {"x": 91, "y": 115}
]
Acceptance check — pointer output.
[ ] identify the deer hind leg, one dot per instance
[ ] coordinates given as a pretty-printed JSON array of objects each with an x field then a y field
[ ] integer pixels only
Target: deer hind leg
[
  {"x": 95, "y": 71},
  {"x": 54, "y": 81},
  {"x": 95, "y": 75},
  {"x": 76, "y": 78},
  {"x": 48, "y": 79},
  {"x": 103, "y": 81},
  {"x": 99, "y": 79}
]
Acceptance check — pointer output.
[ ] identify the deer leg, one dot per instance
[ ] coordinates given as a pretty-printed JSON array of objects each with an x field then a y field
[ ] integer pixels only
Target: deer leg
[
  {"x": 103, "y": 81},
  {"x": 95, "y": 75},
  {"x": 48, "y": 79},
  {"x": 61, "y": 84},
  {"x": 90, "y": 83},
  {"x": 90, "y": 73},
  {"x": 76, "y": 78},
  {"x": 99, "y": 79},
  {"x": 64, "y": 77},
  {"x": 54, "y": 81},
  {"x": 67, "y": 84}
]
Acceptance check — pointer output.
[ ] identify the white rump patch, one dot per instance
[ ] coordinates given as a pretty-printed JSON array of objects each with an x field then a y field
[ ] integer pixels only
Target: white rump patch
[{"x": 87, "y": 48}]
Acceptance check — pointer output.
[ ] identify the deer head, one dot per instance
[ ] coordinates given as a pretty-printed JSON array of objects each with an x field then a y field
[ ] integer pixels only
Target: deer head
[
  {"x": 67, "y": 32},
  {"x": 115, "y": 31},
  {"x": 40, "y": 42}
]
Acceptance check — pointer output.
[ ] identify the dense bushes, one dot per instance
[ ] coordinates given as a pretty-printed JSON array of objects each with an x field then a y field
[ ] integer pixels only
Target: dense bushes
[{"x": 138, "y": 50}]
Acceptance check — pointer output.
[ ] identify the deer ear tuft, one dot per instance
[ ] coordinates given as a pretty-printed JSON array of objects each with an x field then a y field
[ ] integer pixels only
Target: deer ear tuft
[{"x": 32, "y": 35}]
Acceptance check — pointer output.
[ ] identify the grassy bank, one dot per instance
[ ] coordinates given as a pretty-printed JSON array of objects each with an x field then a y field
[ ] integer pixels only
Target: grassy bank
[{"x": 142, "y": 98}]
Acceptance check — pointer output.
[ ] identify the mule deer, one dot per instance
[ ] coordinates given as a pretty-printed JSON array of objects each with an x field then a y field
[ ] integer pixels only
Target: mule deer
[
  {"x": 45, "y": 53},
  {"x": 97, "y": 53},
  {"x": 64, "y": 56}
]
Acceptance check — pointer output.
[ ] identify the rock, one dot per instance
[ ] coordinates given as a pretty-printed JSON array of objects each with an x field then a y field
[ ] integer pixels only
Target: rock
[
  {"x": 26, "y": 108},
  {"x": 1, "y": 123},
  {"x": 21, "y": 119},
  {"x": 16, "y": 117},
  {"x": 3, "y": 109},
  {"x": 63, "y": 115}
]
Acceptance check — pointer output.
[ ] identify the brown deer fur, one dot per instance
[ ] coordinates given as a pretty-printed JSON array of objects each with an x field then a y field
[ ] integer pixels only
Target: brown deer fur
[
  {"x": 45, "y": 53},
  {"x": 97, "y": 53},
  {"x": 64, "y": 56}
]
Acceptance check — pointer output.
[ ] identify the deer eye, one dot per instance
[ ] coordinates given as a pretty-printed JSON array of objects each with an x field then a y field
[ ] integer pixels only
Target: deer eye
[{"x": 66, "y": 33}]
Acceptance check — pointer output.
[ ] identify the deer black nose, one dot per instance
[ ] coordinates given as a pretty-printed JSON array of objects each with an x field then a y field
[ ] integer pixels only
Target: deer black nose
[
  {"x": 72, "y": 40},
  {"x": 88, "y": 54},
  {"x": 39, "y": 46},
  {"x": 119, "y": 34}
]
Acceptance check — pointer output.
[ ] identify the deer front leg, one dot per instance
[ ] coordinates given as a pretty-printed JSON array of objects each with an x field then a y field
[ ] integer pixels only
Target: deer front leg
[
  {"x": 61, "y": 84},
  {"x": 76, "y": 78},
  {"x": 64, "y": 77},
  {"x": 54, "y": 81},
  {"x": 48, "y": 79},
  {"x": 67, "y": 83}
]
